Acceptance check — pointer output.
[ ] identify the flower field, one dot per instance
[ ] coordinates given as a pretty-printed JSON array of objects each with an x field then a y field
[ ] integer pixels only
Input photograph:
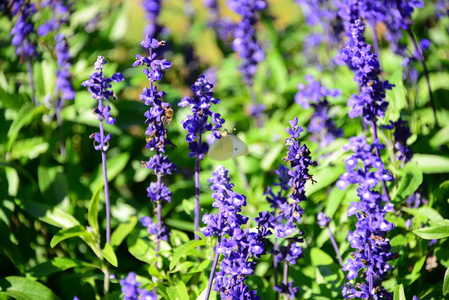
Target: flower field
[{"x": 224, "y": 149}]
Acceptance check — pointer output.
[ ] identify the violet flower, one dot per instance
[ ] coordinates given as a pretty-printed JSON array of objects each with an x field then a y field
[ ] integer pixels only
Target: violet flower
[
  {"x": 400, "y": 136},
  {"x": 99, "y": 86},
  {"x": 196, "y": 124},
  {"x": 158, "y": 116},
  {"x": 131, "y": 289},
  {"x": 22, "y": 36},
  {"x": 321, "y": 126},
  {"x": 327, "y": 27},
  {"x": 222, "y": 25},
  {"x": 370, "y": 102},
  {"x": 287, "y": 213},
  {"x": 23, "y": 29},
  {"x": 60, "y": 15},
  {"x": 372, "y": 247},
  {"x": 239, "y": 247},
  {"x": 245, "y": 42},
  {"x": 152, "y": 9}
]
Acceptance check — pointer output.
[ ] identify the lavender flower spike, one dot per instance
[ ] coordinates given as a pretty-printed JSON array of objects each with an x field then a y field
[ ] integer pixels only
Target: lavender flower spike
[
  {"x": 22, "y": 36},
  {"x": 245, "y": 42},
  {"x": 131, "y": 289},
  {"x": 152, "y": 9},
  {"x": 239, "y": 247},
  {"x": 321, "y": 126},
  {"x": 99, "y": 86},
  {"x": 287, "y": 213},
  {"x": 197, "y": 124},
  {"x": 158, "y": 116},
  {"x": 372, "y": 248}
]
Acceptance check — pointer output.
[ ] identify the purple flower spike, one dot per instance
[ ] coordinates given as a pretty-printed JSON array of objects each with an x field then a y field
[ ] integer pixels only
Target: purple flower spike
[
  {"x": 369, "y": 238},
  {"x": 238, "y": 246},
  {"x": 23, "y": 29},
  {"x": 245, "y": 42},
  {"x": 198, "y": 122},
  {"x": 131, "y": 289},
  {"x": 370, "y": 102},
  {"x": 321, "y": 127},
  {"x": 287, "y": 213},
  {"x": 152, "y": 9},
  {"x": 400, "y": 136},
  {"x": 157, "y": 116},
  {"x": 99, "y": 86},
  {"x": 323, "y": 220}
]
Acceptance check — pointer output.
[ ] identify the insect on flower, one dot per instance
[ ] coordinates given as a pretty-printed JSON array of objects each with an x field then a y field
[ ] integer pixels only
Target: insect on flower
[{"x": 227, "y": 146}]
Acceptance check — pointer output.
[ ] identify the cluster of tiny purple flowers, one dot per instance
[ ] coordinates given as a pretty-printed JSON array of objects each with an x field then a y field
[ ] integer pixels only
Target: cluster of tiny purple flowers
[
  {"x": 245, "y": 42},
  {"x": 372, "y": 253},
  {"x": 400, "y": 136},
  {"x": 370, "y": 102},
  {"x": 238, "y": 246},
  {"x": 152, "y": 9},
  {"x": 60, "y": 15},
  {"x": 131, "y": 289},
  {"x": 321, "y": 126},
  {"x": 223, "y": 25},
  {"x": 287, "y": 214},
  {"x": 157, "y": 118},
  {"x": 23, "y": 29},
  {"x": 327, "y": 27},
  {"x": 198, "y": 122},
  {"x": 100, "y": 88}
]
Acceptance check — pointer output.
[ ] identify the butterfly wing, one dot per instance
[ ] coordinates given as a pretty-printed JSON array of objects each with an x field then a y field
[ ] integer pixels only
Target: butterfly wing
[
  {"x": 221, "y": 149},
  {"x": 239, "y": 148}
]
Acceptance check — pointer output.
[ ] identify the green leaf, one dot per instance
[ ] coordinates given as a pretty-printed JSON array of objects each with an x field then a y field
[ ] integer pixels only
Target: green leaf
[
  {"x": 333, "y": 201},
  {"x": 268, "y": 159},
  {"x": 77, "y": 231},
  {"x": 181, "y": 251},
  {"x": 58, "y": 264},
  {"x": 23, "y": 118},
  {"x": 442, "y": 193},
  {"x": 153, "y": 271},
  {"x": 48, "y": 214},
  {"x": 431, "y": 164},
  {"x": 430, "y": 233},
  {"x": 440, "y": 138},
  {"x": 109, "y": 255},
  {"x": 178, "y": 292},
  {"x": 92, "y": 214},
  {"x": 25, "y": 289},
  {"x": 425, "y": 212},
  {"x": 399, "y": 293},
  {"x": 320, "y": 258},
  {"x": 409, "y": 183},
  {"x": 141, "y": 249},
  {"x": 275, "y": 60},
  {"x": 446, "y": 283},
  {"x": 30, "y": 148},
  {"x": 52, "y": 183},
  {"x": 122, "y": 231}
]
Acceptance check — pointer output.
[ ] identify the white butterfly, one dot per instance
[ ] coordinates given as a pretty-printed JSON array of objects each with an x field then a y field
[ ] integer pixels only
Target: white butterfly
[{"x": 226, "y": 147}]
